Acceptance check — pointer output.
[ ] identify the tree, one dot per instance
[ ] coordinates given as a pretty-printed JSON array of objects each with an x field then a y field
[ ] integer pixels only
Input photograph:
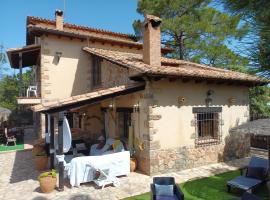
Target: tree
[
  {"x": 196, "y": 31},
  {"x": 2, "y": 55},
  {"x": 9, "y": 89},
  {"x": 3, "y": 60},
  {"x": 259, "y": 98},
  {"x": 256, "y": 12}
]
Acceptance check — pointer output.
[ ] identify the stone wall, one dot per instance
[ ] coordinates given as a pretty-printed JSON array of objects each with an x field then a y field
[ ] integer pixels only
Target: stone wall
[{"x": 186, "y": 157}]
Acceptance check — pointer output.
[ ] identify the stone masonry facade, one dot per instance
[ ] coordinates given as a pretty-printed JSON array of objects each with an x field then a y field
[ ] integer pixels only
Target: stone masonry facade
[
  {"x": 170, "y": 160},
  {"x": 155, "y": 160}
]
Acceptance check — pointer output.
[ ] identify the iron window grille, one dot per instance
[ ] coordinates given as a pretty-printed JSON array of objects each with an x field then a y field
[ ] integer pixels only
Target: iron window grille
[{"x": 208, "y": 125}]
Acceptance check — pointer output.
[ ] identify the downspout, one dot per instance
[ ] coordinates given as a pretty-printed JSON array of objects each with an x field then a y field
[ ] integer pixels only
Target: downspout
[{"x": 20, "y": 76}]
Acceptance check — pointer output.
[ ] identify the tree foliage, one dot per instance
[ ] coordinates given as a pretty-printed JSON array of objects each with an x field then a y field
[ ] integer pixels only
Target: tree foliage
[
  {"x": 2, "y": 55},
  {"x": 197, "y": 31},
  {"x": 257, "y": 13},
  {"x": 9, "y": 89},
  {"x": 259, "y": 98}
]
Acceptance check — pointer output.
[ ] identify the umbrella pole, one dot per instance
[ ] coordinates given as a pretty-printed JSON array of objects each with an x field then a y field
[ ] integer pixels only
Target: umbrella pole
[{"x": 268, "y": 147}]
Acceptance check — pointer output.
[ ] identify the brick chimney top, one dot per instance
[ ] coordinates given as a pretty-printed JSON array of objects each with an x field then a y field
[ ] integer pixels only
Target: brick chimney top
[
  {"x": 154, "y": 20},
  {"x": 59, "y": 19},
  {"x": 151, "y": 40}
]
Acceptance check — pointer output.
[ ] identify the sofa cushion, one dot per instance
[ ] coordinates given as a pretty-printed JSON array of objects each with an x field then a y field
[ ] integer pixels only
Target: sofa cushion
[
  {"x": 256, "y": 172},
  {"x": 164, "y": 190},
  {"x": 174, "y": 197}
]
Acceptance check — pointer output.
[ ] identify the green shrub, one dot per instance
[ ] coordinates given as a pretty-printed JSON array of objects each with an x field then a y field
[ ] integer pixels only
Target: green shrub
[{"x": 51, "y": 173}]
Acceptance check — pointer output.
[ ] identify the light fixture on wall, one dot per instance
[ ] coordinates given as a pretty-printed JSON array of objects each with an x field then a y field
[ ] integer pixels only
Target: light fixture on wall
[
  {"x": 209, "y": 100},
  {"x": 112, "y": 105},
  {"x": 231, "y": 101},
  {"x": 181, "y": 101},
  {"x": 58, "y": 55},
  {"x": 136, "y": 107}
]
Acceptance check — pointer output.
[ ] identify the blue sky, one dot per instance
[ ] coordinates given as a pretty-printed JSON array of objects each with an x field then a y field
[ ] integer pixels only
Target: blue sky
[{"x": 116, "y": 15}]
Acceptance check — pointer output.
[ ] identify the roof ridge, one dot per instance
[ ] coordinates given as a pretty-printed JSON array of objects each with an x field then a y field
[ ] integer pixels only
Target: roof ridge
[{"x": 82, "y": 27}]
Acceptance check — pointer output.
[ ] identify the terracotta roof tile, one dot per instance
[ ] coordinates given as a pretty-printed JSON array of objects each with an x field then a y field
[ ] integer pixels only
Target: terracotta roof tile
[
  {"x": 76, "y": 28},
  {"x": 173, "y": 67},
  {"x": 79, "y": 98},
  {"x": 36, "y": 24}
]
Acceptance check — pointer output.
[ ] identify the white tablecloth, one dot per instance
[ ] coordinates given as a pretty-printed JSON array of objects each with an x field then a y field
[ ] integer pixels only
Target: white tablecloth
[{"x": 80, "y": 170}]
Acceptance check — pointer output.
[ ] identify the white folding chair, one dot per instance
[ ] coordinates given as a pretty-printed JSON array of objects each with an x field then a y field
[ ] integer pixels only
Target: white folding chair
[
  {"x": 105, "y": 177},
  {"x": 33, "y": 89}
]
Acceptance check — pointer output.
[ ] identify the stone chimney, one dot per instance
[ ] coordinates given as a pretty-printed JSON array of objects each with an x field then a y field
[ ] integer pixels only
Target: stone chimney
[
  {"x": 151, "y": 41},
  {"x": 59, "y": 19}
]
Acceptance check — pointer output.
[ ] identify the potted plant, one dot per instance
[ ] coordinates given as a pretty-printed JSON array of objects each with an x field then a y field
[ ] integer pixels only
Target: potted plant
[
  {"x": 41, "y": 160},
  {"x": 47, "y": 181},
  {"x": 39, "y": 146},
  {"x": 133, "y": 161}
]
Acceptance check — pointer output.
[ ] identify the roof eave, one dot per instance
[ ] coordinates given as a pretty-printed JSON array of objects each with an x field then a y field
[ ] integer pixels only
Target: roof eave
[
  {"x": 39, "y": 31},
  {"x": 249, "y": 83}
]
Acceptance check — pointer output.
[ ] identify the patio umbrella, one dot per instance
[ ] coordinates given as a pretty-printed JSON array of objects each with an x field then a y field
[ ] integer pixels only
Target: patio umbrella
[{"x": 260, "y": 127}]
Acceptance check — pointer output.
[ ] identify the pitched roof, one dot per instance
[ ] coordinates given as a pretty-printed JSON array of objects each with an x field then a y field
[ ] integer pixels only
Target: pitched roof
[
  {"x": 88, "y": 98},
  {"x": 256, "y": 127},
  {"x": 31, "y": 20},
  {"x": 174, "y": 67},
  {"x": 37, "y": 25}
]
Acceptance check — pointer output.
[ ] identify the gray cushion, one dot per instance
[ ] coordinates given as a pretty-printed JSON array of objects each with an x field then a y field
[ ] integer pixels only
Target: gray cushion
[
  {"x": 256, "y": 172},
  {"x": 244, "y": 183},
  {"x": 174, "y": 197},
  {"x": 164, "y": 190}
]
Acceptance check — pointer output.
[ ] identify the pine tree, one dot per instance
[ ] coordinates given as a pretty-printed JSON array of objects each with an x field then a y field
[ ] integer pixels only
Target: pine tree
[
  {"x": 196, "y": 31},
  {"x": 257, "y": 13}
]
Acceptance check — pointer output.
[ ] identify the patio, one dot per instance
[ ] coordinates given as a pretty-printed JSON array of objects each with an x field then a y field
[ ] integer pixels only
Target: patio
[{"x": 19, "y": 180}]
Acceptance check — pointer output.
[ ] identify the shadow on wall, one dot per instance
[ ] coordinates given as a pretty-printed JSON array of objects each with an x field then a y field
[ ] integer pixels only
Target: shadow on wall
[
  {"x": 237, "y": 145},
  {"x": 82, "y": 81},
  {"x": 23, "y": 168}
]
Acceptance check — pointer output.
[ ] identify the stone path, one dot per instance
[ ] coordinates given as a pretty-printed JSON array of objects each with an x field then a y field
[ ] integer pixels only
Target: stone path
[{"x": 18, "y": 180}]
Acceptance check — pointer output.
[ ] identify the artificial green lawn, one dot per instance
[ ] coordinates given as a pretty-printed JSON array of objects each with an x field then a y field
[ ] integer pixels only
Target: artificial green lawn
[
  {"x": 211, "y": 188},
  {"x": 19, "y": 146}
]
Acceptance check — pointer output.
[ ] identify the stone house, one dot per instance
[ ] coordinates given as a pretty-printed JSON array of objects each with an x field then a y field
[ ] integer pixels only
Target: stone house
[{"x": 173, "y": 114}]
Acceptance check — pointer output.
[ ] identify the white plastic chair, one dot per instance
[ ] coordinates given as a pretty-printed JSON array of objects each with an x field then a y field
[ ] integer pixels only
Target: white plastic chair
[{"x": 33, "y": 89}]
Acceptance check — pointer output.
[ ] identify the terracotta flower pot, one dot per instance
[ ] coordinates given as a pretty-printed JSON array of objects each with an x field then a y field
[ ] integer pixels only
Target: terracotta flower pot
[
  {"x": 133, "y": 164},
  {"x": 47, "y": 184},
  {"x": 37, "y": 149},
  {"x": 41, "y": 162}
]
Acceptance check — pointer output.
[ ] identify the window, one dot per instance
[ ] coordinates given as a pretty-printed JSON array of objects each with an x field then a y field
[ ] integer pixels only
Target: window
[
  {"x": 96, "y": 71},
  {"x": 124, "y": 121},
  {"x": 124, "y": 125},
  {"x": 207, "y": 125}
]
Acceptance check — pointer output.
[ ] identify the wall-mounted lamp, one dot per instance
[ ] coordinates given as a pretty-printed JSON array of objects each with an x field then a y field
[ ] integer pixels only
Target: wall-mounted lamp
[
  {"x": 231, "y": 101},
  {"x": 209, "y": 100},
  {"x": 136, "y": 107},
  {"x": 181, "y": 101},
  {"x": 112, "y": 105},
  {"x": 58, "y": 55}
]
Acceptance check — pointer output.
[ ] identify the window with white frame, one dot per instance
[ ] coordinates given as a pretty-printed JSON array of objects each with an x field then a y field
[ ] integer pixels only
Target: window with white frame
[{"x": 208, "y": 124}]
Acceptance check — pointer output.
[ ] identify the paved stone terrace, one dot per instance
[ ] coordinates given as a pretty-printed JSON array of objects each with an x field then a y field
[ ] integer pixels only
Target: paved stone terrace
[{"x": 18, "y": 180}]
